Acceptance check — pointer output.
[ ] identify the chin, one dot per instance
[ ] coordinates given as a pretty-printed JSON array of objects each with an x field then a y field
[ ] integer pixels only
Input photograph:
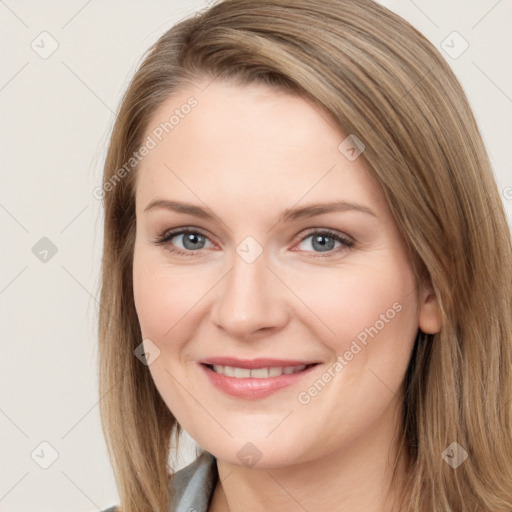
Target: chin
[{"x": 256, "y": 454}]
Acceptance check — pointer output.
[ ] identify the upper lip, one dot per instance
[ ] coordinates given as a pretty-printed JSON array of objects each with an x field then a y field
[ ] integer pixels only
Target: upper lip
[{"x": 261, "y": 362}]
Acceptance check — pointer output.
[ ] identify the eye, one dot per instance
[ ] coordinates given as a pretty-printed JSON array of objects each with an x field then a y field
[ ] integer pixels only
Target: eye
[
  {"x": 324, "y": 242},
  {"x": 193, "y": 241}
]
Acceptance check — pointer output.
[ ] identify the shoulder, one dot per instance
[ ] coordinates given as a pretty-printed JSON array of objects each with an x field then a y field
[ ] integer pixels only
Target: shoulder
[{"x": 192, "y": 485}]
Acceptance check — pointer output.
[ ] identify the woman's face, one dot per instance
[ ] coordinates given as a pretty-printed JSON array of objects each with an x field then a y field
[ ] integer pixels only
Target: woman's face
[{"x": 292, "y": 258}]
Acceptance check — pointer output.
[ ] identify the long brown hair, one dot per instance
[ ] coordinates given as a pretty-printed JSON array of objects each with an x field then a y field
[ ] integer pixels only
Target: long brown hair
[{"x": 377, "y": 77}]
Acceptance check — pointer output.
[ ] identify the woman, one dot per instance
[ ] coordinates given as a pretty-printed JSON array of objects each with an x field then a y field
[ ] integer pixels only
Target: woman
[{"x": 307, "y": 267}]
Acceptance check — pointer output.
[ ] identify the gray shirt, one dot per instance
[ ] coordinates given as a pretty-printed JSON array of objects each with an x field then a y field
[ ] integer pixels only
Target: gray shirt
[{"x": 193, "y": 485}]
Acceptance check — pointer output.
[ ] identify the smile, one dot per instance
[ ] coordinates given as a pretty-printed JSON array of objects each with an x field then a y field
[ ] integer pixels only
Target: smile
[
  {"x": 257, "y": 373},
  {"x": 254, "y": 383}
]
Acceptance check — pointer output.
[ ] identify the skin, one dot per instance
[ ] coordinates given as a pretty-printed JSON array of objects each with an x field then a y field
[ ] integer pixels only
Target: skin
[{"x": 247, "y": 153}]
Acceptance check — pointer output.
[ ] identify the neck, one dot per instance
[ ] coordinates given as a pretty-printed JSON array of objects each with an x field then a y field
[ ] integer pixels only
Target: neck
[{"x": 356, "y": 478}]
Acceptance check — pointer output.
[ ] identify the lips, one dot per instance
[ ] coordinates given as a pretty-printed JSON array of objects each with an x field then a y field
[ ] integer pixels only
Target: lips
[{"x": 255, "y": 378}]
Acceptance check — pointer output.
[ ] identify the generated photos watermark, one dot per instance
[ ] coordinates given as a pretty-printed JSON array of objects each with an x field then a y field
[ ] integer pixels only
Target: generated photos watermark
[
  {"x": 357, "y": 345},
  {"x": 151, "y": 142}
]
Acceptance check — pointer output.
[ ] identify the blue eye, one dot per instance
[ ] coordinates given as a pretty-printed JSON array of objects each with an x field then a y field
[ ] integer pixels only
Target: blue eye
[
  {"x": 324, "y": 241},
  {"x": 193, "y": 241}
]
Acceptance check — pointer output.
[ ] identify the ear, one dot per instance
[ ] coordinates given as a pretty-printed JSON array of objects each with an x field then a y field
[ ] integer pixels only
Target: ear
[{"x": 429, "y": 314}]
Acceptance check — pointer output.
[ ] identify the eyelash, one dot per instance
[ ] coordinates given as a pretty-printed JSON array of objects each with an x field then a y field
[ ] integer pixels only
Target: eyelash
[{"x": 166, "y": 236}]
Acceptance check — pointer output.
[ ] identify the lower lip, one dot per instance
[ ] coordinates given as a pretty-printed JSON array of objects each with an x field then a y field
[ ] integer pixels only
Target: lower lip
[{"x": 251, "y": 388}]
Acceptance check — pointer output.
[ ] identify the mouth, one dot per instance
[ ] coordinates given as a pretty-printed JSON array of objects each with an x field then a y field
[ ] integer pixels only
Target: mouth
[
  {"x": 257, "y": 381},
  {"x": 257, "y": 373}
]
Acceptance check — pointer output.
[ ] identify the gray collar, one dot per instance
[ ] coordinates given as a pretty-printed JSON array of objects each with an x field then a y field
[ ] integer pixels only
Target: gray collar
[{"x": 194, "y": 484}]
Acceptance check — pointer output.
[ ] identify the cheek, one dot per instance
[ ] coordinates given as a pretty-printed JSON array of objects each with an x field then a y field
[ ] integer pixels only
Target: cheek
[
  {"x": 165, "y": 297},
  {"x": 368, "y": 316},
  {"x": 149, "y": 303},
  {"x": 347, "y": 300},
  {"x": 164, "y": 300},
  {"x": 372, "y": 319}
]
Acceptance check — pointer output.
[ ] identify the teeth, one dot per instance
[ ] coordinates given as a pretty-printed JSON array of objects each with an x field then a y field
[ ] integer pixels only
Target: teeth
[
  {"x": 275, "y": 372},
  {"x": 228, "y": 370},
  {"x": 260, "y": 373},
  {"x": 242, "y": 373},
  {"x": 256, "y": 373}
]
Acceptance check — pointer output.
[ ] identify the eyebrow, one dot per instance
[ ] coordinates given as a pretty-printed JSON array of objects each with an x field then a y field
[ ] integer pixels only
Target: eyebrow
[{"x": 290, "y": 214}]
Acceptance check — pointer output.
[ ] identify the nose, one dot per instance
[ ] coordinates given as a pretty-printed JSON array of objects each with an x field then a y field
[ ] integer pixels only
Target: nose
[{"x": 249, "y": 300}]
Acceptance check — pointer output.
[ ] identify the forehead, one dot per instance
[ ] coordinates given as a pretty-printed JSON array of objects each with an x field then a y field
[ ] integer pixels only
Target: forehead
[
  {"x": 248, "y": 141},
  {"x": 254, "y": 115}
]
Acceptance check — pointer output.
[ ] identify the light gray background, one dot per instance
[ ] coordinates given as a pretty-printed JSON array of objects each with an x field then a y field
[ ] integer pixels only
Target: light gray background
[{"x": 56, "y": 114}]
